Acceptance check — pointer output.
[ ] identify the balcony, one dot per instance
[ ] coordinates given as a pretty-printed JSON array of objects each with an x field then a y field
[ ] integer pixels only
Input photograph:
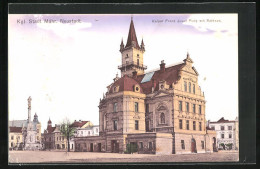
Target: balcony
[{"x": 135, "y": 64}]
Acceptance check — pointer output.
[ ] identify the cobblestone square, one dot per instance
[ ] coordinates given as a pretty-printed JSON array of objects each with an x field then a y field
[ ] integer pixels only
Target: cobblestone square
[{"x": 89, "y": 157}]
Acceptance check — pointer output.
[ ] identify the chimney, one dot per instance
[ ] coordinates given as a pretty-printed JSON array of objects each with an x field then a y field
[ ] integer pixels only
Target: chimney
[
  {"x": 135, "y": 74},
  {"x": 162, "y": 66}
]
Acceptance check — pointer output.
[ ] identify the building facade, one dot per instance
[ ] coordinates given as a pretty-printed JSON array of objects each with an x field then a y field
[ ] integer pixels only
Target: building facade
[
  {"x": 15, "y": 138},
  {"x": 54, "y": 139},
  {"x": 151, "y": 111},
  {"x": 227, "y": 133}
]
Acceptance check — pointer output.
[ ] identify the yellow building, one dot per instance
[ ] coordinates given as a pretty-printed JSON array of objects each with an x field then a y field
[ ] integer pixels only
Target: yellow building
[
  {"x": 161, "y": 111},
  {"x": 15, "y": 138}
]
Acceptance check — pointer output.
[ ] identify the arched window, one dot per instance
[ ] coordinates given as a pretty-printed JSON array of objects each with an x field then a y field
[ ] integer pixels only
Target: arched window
[
  {"x": 162, "y": 117},
  {"x": 189, "y": 87},
  {"x": 194, "y": 88},
  {"x": 185, "y": 86}
]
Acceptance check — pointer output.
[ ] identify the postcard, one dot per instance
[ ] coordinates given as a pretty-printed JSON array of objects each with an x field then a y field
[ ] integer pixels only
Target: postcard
[{"x": 123, "y": 88}]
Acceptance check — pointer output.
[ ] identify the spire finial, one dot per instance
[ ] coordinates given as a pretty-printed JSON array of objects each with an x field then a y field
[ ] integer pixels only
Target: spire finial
[{"x": 131, "y": 17}]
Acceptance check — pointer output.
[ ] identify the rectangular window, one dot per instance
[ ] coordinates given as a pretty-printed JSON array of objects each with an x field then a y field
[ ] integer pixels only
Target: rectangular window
[
  {"x": 12, "y": 137},
  {"x": 222, "y": 127},
  {"x": 187, "y": 107},
  {"x": 229, "y": 127},
  {"x": 180, "y": 105},
  {"x": 194, "y": 125},
  {"x": 194, "y": 88},
  {"x": 185, "y": 86},
  {"x": 115, "y": 107},
  {"x": 194, "y": 108},
  {"x": 200, "y": 127},
  {"x": 222, "y": 135},
  {"x": 150, "y": 145},
  {"x": 187, "y": 124},
  {"x": 230, "y": 136},
  {"x": 115, "y": 124},
  {"x": 57, "y": 138},
  {"x": 136, "y": 107},
  {"x": 199, "y": 109},
  {"x": 106, "y": 124},
  {"x": 88, "y": 132},
  {"x": 147, "y": 108},
  {"x": 180, "y": 124},
  {"x": 136, "y": 125},
  {"x": 202, "y": 144},
  {"x": 141, "y": 145},
  {"x": 182, "y": 145},
  {"x": 213, "y": 127}
]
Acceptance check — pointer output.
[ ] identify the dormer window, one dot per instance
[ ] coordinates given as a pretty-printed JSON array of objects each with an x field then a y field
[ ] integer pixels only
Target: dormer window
[
  {"x": 162, "y": 86},
  {"x": 115, "y": 89},
  {"x": 136, "y": 88}
]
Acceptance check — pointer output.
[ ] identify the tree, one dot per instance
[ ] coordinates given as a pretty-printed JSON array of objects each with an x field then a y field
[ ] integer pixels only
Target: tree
[{"x": 67, "y": 130}]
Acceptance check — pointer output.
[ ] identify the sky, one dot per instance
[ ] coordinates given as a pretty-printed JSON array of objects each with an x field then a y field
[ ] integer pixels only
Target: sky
[{"x": 66, "y": 67}]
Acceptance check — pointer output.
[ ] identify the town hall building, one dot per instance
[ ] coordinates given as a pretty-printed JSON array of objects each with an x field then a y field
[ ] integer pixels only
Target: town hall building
[{"x": 159, "y": 112}]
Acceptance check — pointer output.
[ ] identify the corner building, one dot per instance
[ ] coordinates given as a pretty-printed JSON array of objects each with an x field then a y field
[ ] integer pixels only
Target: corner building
[{"x": 159, "y": 112}]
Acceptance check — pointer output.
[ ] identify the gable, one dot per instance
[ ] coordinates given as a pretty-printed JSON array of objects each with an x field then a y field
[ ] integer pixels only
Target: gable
[{"x": 190, "y": 69}]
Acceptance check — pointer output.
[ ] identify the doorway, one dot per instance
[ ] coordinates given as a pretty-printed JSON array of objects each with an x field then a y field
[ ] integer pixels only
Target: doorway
[
  {"x": 214, "y": 145},
  {"x": 114, "y": 146},
  {"x": 193, "y": 146},
  {"x": 99, "y": 147},
  {"x": 91, "y": 147}
]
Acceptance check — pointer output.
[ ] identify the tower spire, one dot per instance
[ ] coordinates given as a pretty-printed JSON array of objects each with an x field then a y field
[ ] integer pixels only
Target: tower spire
[{"x": 132, "y": 39}]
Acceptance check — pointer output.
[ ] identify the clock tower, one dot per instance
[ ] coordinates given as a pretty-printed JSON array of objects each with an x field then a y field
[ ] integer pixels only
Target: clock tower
[{"x": 132, "y": 54}]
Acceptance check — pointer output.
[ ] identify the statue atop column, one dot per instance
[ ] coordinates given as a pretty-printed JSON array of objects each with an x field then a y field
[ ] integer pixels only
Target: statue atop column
[{"x": 29, "y": 102}]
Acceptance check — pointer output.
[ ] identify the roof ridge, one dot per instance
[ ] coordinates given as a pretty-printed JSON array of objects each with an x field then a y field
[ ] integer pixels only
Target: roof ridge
[{"x": 171, "y": 65}]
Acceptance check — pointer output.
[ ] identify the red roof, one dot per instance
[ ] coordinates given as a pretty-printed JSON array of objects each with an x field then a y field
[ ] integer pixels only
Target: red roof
[
  {"x": 125, "y": 83},
  {"x": 170, "y": 75},
  {"x": 50, "y": 129},
  {"x": 222, "y": 120},
  {"x": 16, "y": 129},
  {"x": 78, "y": 123}
]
